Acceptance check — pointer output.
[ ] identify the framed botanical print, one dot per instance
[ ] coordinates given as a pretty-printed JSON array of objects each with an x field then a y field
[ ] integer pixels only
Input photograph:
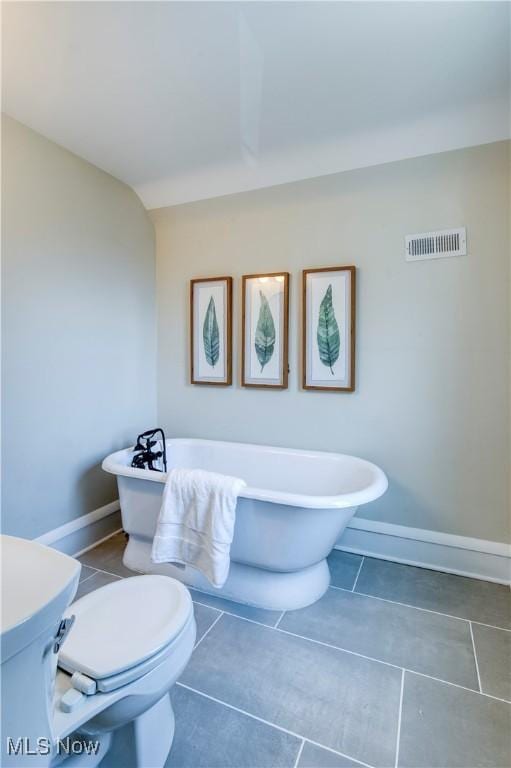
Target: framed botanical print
[
  {"x": 211, "y": 331},
  {"x": 265, "y": 330},
  {"x": 328, "y": 333}
]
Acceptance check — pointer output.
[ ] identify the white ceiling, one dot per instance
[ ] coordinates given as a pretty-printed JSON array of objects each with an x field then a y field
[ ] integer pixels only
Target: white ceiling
[{"x": 188, "y": 100}]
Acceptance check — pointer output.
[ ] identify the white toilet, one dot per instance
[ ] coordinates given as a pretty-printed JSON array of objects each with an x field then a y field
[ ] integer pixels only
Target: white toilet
[{"x": 127, "y": 645}]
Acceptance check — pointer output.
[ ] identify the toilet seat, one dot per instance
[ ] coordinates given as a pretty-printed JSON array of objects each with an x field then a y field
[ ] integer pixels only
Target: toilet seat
[{"x": 125, "y": 629}]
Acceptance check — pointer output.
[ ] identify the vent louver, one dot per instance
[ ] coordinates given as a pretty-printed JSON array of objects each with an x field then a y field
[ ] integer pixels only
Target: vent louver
[{"x": 435, "y": 245}]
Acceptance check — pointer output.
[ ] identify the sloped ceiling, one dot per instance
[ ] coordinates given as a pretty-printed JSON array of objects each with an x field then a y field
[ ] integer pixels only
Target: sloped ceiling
[{"x": 188, "y": 100}]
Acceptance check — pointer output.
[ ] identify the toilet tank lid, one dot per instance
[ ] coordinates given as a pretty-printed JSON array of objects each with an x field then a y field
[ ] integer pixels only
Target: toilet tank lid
[
  {"x": 124, "y": 623},
  {"x": 33, "y": 576}
]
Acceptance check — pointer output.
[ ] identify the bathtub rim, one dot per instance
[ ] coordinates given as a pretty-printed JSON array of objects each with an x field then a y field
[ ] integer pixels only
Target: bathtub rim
[{"x": 372, "y": 491}]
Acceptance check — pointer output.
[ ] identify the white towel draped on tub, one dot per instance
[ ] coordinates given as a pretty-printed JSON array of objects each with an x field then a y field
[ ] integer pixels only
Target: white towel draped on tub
[{"x": 196, "y": 522}]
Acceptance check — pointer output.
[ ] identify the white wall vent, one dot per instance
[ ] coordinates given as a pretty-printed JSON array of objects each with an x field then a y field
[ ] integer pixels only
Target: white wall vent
[{"x": 436, "y": 245}]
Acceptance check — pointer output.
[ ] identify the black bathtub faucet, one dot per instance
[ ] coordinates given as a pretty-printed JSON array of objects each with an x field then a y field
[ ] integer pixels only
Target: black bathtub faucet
[{"x": 145, "y": 457}]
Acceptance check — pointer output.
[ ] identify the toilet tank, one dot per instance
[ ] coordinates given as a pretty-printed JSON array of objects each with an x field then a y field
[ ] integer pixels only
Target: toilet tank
[{"x": 37, "y": 585}]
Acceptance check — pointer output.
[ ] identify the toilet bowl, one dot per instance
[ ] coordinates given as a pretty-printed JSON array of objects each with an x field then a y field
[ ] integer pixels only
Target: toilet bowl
[
  {"x": 99, "y": 678},
  {"x": 129, "y": 643}
]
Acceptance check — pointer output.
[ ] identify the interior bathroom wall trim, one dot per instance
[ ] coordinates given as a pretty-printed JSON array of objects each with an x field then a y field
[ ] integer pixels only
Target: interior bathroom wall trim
[
  {"x": 461, "y": 555},
  {"x": 95, "y": 543},
  {"x": 80, "y": 522},
  {"x": 432, "y": 537},
  {"x": 85, "y": 531}
]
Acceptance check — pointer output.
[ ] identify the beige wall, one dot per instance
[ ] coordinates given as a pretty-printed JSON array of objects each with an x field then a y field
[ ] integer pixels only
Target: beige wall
[
  {"x": 79, "y": 362},
  {"x": 78, "y": 330},
  {"x": 432, "y": 400}
]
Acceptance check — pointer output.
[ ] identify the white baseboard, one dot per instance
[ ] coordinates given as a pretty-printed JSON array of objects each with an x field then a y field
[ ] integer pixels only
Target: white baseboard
[
  {"x": 476, "y": 558},
  {"x": 96, "y": 542},
  {"x": 80, "y": 522},
  {"x": 85, "y": 531}
]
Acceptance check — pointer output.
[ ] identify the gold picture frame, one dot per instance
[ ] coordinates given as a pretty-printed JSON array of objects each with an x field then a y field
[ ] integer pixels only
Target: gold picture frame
[
  {"x": 211, "y": 331},
  {"x": 328, "y": 329},
  {"x": 265, "y": 330}
]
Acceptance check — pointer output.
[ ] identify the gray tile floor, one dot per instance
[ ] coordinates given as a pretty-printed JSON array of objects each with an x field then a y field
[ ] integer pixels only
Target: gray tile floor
[{"x": 394, "y": 666}]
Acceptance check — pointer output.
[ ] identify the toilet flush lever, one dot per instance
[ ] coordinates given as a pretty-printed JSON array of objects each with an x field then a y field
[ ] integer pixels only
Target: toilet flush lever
[{"x": 62, "y": 632}]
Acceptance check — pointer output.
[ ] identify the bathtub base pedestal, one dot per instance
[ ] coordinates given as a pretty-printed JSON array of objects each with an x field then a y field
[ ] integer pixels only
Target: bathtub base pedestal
[{"x": 273, "y": 590}]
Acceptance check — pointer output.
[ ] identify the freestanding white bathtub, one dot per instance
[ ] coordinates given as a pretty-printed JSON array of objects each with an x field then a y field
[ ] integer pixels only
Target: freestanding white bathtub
[{"x": 294, "y": 508}]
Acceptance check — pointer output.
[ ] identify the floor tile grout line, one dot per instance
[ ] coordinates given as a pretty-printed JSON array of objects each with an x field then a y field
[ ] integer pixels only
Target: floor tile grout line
[
  {"x": 309, "y": 639},
  {"x": 269, "y": 723},
  {"x": 369, "y": 658},
  {"x": 109, "y": 573},
  {"x": 364, "y": 656},
  {"x": 339, "y": 648},
  {"x": 208, "y": 630},
  {"x": 475, "y": 658},
  {"x": 231, "y": 613},
  {"x": 275, "y": 626},
  {"x": 390, "y": 664},
  {"x": 217, "y": 610},
  {"x": 236, "y": 615},
  {"x": 298, "y": 756},
  {"x": 82, "y": 581},
  {"x": 335, "y": 752},
  {"x": 358, "y": 574},
  {"x": 400, "y": 712},
  {"x": 198, "y": 591},
  {"x": 238, "y": 709},
  {"x": 419, "y": 608},
  {"x": 342, "y": 589},
  {"x": 457, "y": 685},
  {"x": 490, "y": 626},
  {"x": 346, "y": 650}
]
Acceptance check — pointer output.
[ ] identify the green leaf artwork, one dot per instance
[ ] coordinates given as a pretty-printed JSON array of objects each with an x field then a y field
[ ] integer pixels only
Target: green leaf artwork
[
  {"x": 265, "y": 332},
  {"x": 211, "y": 335},
  {"x": 328, "y": 332}
]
